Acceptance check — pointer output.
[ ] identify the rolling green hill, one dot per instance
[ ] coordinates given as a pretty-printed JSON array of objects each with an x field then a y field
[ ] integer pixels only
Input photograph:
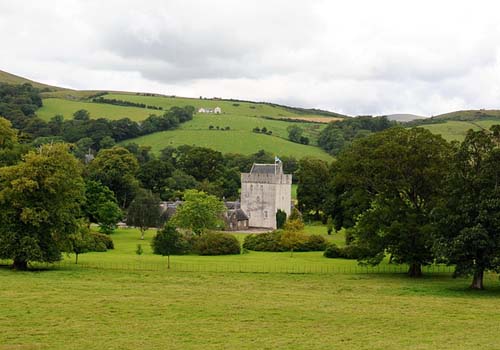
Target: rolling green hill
[
  {"x": 454, "y": 125},
  {"x": 66, "y": 108},
  {"x": 232, "y": 141},
  {"x": 9, "y": 78},
  {"x": 240, "y": 116},
  {"x": 472, "y": 114}
]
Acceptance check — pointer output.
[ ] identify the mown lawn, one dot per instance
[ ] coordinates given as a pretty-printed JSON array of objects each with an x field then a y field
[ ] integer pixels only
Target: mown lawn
[
  {"x": 106, "y": 309},
  {"x": 102, "y": 308}
]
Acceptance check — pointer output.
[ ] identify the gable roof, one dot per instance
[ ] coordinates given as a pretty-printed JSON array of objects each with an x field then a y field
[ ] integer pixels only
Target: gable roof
[{"x": 239, "y": 214}]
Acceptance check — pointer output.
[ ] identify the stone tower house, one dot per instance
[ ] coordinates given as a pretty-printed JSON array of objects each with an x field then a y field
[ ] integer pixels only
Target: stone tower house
[{"x": 263, "y": 191}]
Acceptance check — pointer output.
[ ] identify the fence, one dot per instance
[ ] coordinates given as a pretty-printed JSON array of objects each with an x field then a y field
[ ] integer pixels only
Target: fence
[{"x": 239, "y": 268}]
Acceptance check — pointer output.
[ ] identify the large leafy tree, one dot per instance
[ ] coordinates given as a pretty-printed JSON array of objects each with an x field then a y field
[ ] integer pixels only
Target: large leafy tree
[
  {"x": 39, "y": 205},
  {"x": 116, "y": 168},
  {"x": 100, "y": 206},
  {"x": 398, "y": 176},
  {"x": 468, "y": 234},
  {"x": 199, "y": 212},
  {"x": 313, "y": 178}
]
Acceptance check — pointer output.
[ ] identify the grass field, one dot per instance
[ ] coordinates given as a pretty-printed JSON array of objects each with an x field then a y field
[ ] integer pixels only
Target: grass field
[
  {"x": 455, "y": 130},
  {"x": 79, "y": 308},
  {"x": 241, "y": 120},
  {"x": 247, "y": 109},
  {"x": 242, "y": 142},
  {"x": 66, "y": 108}
]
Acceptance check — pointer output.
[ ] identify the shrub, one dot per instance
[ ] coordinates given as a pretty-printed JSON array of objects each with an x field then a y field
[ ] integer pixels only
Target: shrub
[
  {"x": 347, "y": 252},
  {"x": 314, "y": 243},
  {"x": 99, "y": 242},
  {"x": 264, "y": 242},
  {"x": 349, "y": 237},
  {"x": 294, "y": 225},
  {"x": 295, "y": 215},
  {"x": 280, "y": 241},
  {"x": 332, "y": 251},
  {"x": 216, "y": 243}
]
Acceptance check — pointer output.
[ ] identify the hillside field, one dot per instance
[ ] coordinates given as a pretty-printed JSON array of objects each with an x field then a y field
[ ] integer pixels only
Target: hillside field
[
  {"x": 241, "y": 120},
  {"x": 453, "y": 130},
  {"x": 77, "y": 307},
  {"x": 66, "y": 108}
]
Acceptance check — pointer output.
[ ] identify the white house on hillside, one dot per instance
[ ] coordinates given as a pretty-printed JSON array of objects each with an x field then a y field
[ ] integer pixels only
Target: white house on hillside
[{"x": 216, "y": 110}]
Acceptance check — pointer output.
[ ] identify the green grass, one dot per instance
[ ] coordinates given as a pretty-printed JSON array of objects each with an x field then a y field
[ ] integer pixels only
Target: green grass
[
  {"x": 248, "y": 109},
  {"x": 80, "y": 308},
  {"x": 53, "y": 106},
  {"x": 453, "y": 130},
  {"x": 472, "y": 113},
  {"x": 242, "y": 142},
  {"x": 241, "y": 120}
]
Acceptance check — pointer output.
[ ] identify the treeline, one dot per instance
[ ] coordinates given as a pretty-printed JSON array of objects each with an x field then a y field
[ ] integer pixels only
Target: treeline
[
  {"x": 339, "y": 135},
  {"x": 18, "y": 103},
  {"x": 176, "y": 170},
  {"x": 409, "y": 194},
  {"x": 116, "y": 102},
  {"x": 103, "y": 133}
]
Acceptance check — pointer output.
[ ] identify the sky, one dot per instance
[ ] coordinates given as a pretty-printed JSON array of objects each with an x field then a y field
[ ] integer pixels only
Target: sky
[{"x": 354, "y": 57}]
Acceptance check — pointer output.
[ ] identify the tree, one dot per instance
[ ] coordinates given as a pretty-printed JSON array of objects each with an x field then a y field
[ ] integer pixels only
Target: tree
[
  {"x": 8, "y": 135},
  {"x": 109, "y": 214},
  {"x": 468, "y": 220},
  {"x": 81, "y": 115},
  {"x": 144, "y": 211},
  {"x": 313, "y": 178},
  {"x": 294, "y": 133},
  {"x": 329, "y": 225},
  {"x": 100, "y": 206},
  {"x": 116, "y": 168},
  {"x": 280, "y": 218},
  {"x": 199, "y": 212},
  {"x": 169, "y": 241},
  {"x": 397, "y": 177},
  {"x": 40, "y": 202},
  {"x": 107, "y": 142}
]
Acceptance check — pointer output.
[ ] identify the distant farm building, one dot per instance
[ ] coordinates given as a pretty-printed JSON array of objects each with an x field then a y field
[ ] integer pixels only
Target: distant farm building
[{"x": 216, "y": 110}]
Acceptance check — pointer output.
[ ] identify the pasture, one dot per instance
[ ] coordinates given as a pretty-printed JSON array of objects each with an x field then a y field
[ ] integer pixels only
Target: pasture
[
  {"x": 66, "y": 108},
  {"x": 238, "y": 139},
  {"x": 229, "y": 142},
  {"x": 246, "y": 109},
  {"x": 454, "y": 130},
  {"x": 95, "y": 308}
]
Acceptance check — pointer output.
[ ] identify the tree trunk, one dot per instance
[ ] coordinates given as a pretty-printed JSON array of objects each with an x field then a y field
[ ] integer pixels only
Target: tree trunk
[
  {"x": 20, "y": 264},
  {"x": 168, "y": 261},
  {"x": 142, "y": 234},
  {"x": 415, "y": 270},
  {"x": 477, "y": 280},
  {"x": 76, "y": 258}
]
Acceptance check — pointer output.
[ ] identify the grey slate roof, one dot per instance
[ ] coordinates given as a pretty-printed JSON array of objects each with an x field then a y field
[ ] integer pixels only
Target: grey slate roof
[{"x": 239, "y": 214}]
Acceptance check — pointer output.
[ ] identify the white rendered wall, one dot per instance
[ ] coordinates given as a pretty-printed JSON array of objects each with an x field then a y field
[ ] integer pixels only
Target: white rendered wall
[{"x": 262, "y": 195}]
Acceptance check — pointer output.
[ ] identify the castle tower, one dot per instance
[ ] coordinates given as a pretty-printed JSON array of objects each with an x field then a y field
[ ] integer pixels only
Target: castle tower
[{"x": 263, "y": 191}]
